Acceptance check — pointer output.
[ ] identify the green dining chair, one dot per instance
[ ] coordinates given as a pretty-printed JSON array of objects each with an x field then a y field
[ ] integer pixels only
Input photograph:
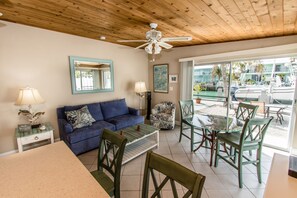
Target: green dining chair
[
  {"x": 246, "y": 111},
  {"x": 174, "y": 172},
  {"x": 251, "y": 138},
  {"x": 187, "y": 111},
  {"x": 110, "y": 156}
]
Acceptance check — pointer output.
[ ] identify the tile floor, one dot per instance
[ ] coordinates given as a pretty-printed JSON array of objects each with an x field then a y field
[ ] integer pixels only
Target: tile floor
[{"x": 221, "y": 182}]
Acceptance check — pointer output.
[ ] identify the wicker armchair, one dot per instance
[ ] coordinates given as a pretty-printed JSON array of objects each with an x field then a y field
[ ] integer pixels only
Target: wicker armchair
[{"x": 163, "y": 115}]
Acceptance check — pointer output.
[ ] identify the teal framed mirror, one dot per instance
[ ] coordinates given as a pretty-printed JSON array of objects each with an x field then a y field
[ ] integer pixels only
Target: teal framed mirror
[{"x": 91, "y": 75}]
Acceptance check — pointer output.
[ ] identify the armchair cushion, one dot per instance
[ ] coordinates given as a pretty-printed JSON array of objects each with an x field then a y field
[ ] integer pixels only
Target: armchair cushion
[{"x": 163, "y": 115}]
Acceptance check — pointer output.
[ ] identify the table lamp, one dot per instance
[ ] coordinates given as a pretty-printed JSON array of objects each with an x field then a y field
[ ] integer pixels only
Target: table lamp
[
  {"x": 140, "y": 90},
  {"x": 29, "y": 96}
]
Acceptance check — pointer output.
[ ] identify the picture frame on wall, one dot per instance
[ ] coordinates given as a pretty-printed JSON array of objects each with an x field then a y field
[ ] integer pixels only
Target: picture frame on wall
[
  {"x": 161, "y": 75},
  {"x": 173, "y": 78}
]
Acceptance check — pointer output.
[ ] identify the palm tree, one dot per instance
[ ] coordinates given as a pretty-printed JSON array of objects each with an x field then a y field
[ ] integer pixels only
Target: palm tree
[{"x": 220, "y": 71}]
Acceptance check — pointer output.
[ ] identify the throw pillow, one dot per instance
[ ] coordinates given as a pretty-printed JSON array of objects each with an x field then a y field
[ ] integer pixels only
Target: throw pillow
[{"x": 80, "y": 118}]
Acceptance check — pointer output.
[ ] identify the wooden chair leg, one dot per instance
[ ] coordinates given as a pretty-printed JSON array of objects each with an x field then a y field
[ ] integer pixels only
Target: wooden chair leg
[
  {"x": 217, "y": 153},
  {"x": 240, "y": 168},
  {"x": 192, "y": 138},
  {"x": 212, "y": 147},
  {"x": 181, "y": 131},
  {"x": 259, "y": 173}
]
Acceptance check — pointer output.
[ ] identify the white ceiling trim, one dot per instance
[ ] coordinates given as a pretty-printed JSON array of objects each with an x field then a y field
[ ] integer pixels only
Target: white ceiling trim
[{"x": 266, "y": 52}]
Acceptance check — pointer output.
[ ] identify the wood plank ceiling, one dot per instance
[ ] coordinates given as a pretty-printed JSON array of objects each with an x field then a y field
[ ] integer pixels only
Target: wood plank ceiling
[{"x": 207, "y": 21}]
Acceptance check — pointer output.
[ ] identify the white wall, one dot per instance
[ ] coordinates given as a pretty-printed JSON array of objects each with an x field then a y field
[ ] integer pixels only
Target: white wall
[{"x": 40, "y": 58}]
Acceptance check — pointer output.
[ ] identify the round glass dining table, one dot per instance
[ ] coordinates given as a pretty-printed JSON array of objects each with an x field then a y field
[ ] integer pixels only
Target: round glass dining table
[{"x": 211, "y": 125}]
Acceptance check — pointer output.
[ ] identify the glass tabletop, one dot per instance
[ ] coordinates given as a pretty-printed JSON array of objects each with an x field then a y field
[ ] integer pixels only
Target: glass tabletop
[
  {"x": 48, "y": 127},
  {"x": 215, "y": 123}
]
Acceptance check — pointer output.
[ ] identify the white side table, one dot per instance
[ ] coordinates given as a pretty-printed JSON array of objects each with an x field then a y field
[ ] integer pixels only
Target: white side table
[{"x": 35, "y": 135}]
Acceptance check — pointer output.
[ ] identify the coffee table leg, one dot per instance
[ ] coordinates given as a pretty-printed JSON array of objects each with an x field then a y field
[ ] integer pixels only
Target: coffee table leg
[{"x": 158, "y": 138}]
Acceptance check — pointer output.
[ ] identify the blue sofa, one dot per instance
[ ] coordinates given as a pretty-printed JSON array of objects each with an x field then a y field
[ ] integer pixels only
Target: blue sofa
[{"x": 113, "y": 115}]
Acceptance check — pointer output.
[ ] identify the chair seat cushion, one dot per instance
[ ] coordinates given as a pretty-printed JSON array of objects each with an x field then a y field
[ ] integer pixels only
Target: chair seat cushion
[
  {"x": 233, "y": 139},
  {"x": 124, "y": 121},
  {"x": 104, "y": 181},
  {"x": 84, "y": 133}
]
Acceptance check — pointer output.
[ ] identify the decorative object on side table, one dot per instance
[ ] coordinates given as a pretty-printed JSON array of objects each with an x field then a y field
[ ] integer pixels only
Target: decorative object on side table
[
  {"x": 30, "y": 96},
  {"x": 161, "y": 78},
  {"x": 140, "y": 90},
  {"x": 24, "y": 128}
]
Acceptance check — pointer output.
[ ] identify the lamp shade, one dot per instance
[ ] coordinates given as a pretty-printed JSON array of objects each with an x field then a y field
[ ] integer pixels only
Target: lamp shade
[
  {"x": 140, "y": 87},
  {"x": 29, "y": 96}
]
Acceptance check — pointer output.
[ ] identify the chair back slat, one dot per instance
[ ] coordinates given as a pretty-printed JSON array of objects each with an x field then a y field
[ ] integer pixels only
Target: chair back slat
[
  {"x": 110, "y": 155},
  {"x": 186, "y": 108},
  {"x": 254, "y": 131},
  {"x": 246, "y": 111},
  {"x": 174, "y": 172}
]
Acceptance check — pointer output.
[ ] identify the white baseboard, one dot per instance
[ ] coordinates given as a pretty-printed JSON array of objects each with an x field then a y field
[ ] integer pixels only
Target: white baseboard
[
  {"x": 8, "y": 153},
  {"x": 16, "y": 150}
]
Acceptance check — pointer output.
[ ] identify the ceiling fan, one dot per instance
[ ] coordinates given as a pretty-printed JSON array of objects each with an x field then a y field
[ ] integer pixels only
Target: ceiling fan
[{"x": 154, "y": 41}]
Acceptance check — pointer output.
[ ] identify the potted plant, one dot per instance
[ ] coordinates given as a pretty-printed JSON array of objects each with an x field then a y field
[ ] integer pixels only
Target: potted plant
[{"x": 198, "y": 88}]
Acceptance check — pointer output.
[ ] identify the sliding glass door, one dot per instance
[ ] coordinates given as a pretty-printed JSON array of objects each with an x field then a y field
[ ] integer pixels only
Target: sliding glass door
[{"x": 269, "y": 83}]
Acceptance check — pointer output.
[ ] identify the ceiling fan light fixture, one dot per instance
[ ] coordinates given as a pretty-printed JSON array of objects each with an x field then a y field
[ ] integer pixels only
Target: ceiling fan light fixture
[
  {"x": 157, "y": 49},
  {"x": 149, "y": 49}
]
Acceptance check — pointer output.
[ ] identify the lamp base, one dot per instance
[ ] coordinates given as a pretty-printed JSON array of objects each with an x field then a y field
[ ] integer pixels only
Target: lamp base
[{"x": 34, "y": 126}]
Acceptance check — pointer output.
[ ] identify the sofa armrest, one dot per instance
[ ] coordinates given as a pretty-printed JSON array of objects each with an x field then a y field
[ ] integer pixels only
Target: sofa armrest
[
  {"x": 134, "y": 111},
  {"x": 64, "y": 127}
]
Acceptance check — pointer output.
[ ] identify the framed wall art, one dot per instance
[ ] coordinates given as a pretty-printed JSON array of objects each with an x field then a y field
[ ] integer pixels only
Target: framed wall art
[
  {"x": 161, "y": 78},
  {"x": 173, "y": 78}
]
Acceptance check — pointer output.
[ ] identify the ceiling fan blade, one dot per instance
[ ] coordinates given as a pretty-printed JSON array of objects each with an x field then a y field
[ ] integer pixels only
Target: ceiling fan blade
[
  {"x": 165, "y": 45},
  {"x": 179, "y": 38},
  {"x": 140, "y": 46},
  {"x": 131, "y": 41}
]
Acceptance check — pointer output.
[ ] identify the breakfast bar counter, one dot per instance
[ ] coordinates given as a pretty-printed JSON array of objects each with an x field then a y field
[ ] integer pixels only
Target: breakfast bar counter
[
  {"x": 279, "y": 183},
  {"x": 48, "y": 171}
]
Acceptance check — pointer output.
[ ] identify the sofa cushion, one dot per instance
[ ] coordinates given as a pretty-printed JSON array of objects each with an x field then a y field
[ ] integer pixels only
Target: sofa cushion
[
  {"x": 94, "y": 109},
  {"x": 79, "y": 118},
  {"x": 84, "y": 133},
  {"x": 114, "y": 108},
  {"x": 124, "y": 121}
]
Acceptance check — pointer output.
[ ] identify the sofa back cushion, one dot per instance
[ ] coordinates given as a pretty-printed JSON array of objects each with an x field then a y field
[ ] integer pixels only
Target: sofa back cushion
[
  {"x": 94, "y": 109},
  {"x": 114, "y": 108}
]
